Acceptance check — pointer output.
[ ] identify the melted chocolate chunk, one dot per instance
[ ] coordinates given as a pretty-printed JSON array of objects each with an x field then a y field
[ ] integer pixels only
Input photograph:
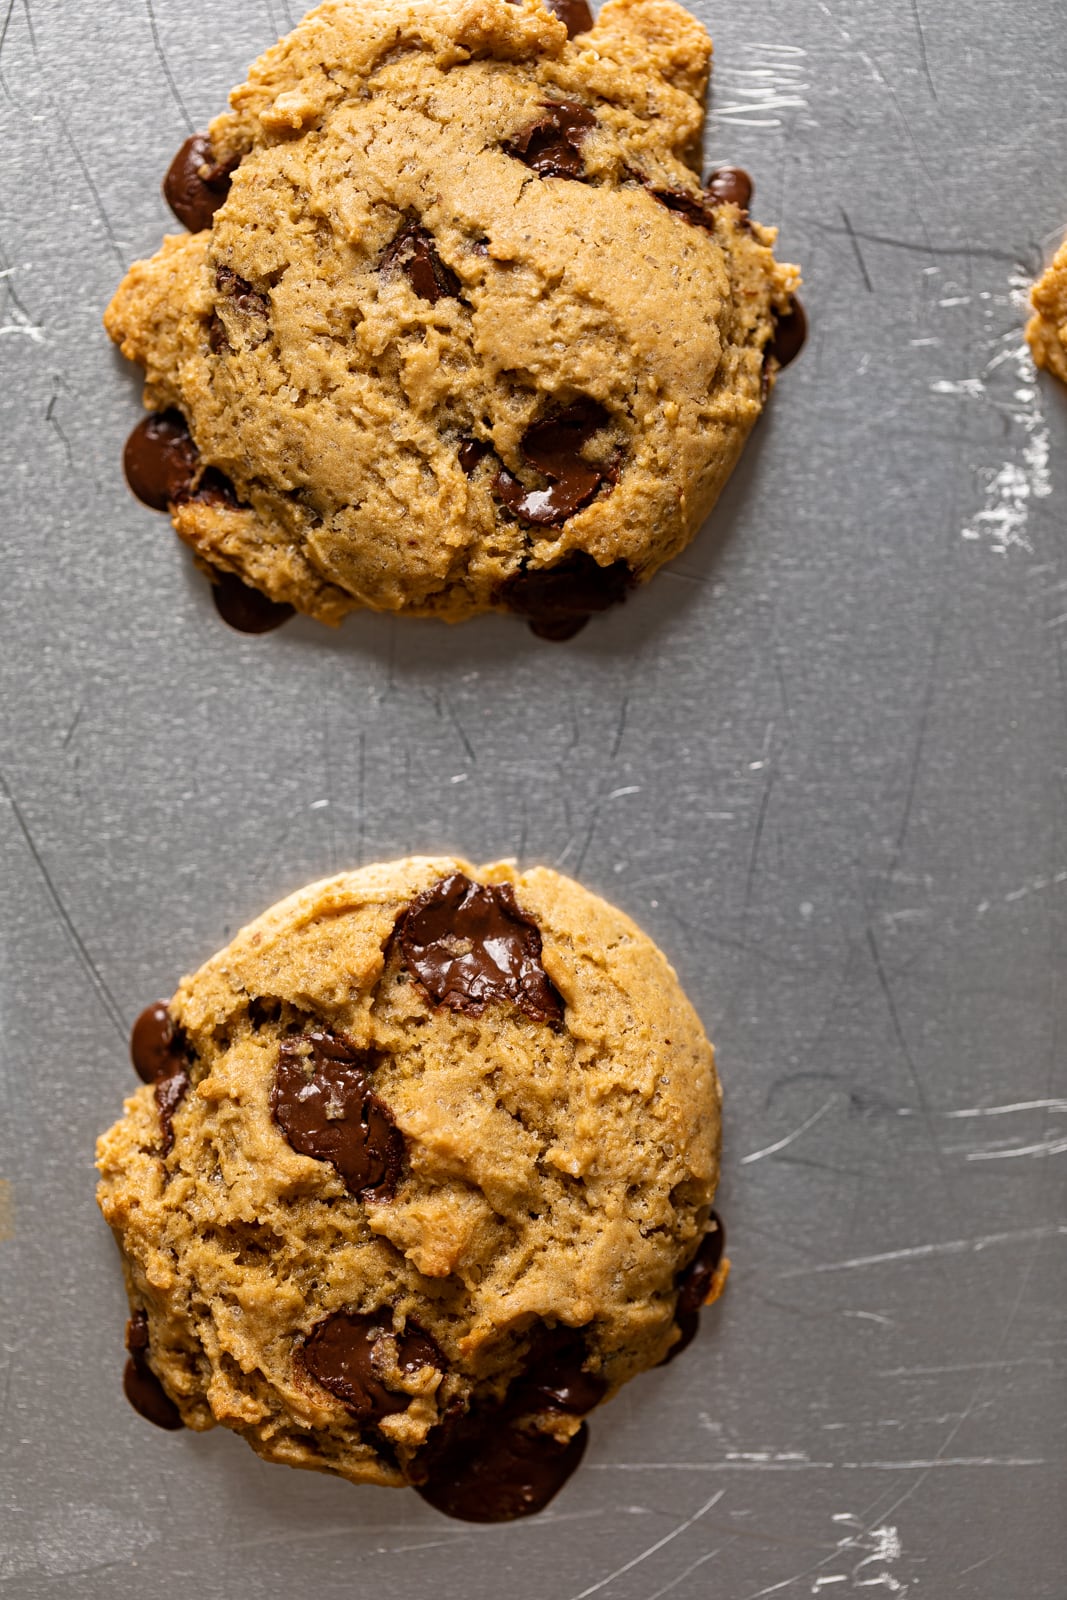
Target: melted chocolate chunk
[
  {"x": 790, "y": 332},
  {"x": 142, "y": 1388},
  {"x": 490, "y": 1466},
  {"x": 414, "y": 253},
  {"x": 575, "y": 13},
  {"x": 488, "y": 1470},
  {"x": 559, "y": 600},
  {"x": 554, "y": 447},
  {"x": 155, "y": 1044},
  {"x": 245, "y": 298},
  {"x": 470, "y": 452},
  {"x": 170, "y": 1092},
  {"x": 322, "y": 1102},
  {"x": 555, "y": 1378},
  {"x": 160, "y": 460},
  {"x": 196, "y": 184},
  {"x": 469, "y": 945},
  {"x": 729, "y": 186},
  {"x": 244, "y": 608},
  {"x": 552, "y": 146},
  {"x": 339, "y": 1353},
  {"x": 694, "y": 1285}
]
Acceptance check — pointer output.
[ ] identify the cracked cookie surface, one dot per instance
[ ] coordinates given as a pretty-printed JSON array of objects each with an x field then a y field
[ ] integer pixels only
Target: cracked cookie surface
[
  {"x": 462, "y": 313},
  {"x": 426, "y": 1146}
]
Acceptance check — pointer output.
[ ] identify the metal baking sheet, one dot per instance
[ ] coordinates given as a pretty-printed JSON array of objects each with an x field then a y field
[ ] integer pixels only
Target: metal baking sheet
[{"x": 821, "y": 760}]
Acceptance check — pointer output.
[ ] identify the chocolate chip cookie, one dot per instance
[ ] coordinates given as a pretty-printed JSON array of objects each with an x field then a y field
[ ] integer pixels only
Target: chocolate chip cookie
[
  {"x": 1047, "y": 328},
  {"x": 421, "y": 1171},
  {"x": 458, "y": 327}
]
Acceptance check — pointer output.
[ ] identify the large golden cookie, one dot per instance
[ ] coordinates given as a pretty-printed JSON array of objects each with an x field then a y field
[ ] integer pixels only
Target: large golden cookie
[{"x": 464, "y": 316}]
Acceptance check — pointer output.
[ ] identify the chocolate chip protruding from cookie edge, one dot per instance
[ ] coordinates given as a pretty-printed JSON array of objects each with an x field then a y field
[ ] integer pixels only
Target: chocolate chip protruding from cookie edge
[
  {"x": 322, "y": 1101},
  {"x": 553, "y": 446},
  {"x": 140, "y": 1385},
  {"x": 558, "y": 601},
  {"x": 489, "y": 1470},
  {"x": 492, "y": 1464},
  {"x": 196, "y": 184},
  {"x": 245, "y": 609},
  {"x": 161, "y": 461},
  {"x": 155, "y": 1043},
  {"x": 414, "y": 253},
  {"x": 694, "y": 1284},
  {"x": 574, "y": 14},
  {"x": 552, "y": 146},
  {"x": 343, "y": 1353},
  {"x": 790, "y": 333},
  {"x": 729, "y": 186},
  {"x": 469, "y": 945}
]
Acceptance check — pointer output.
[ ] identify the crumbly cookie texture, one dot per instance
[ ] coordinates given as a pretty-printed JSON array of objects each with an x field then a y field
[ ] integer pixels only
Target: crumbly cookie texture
[
  {"x": 531, "y": 1149},
  {"x": 466, "y": 314},
  {"x": 1047, "y": 329}
]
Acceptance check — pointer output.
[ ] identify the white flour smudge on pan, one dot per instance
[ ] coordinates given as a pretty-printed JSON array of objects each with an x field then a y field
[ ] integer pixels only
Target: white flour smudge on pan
[{"x": 1008, "y": 390}]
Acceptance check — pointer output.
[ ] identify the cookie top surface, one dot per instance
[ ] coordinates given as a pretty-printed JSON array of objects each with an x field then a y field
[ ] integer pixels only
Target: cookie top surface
[
  {"x": 465, "y": 314},
  {"x": 1047, "y": 328},
  {"x": 417, "y": 1120}
]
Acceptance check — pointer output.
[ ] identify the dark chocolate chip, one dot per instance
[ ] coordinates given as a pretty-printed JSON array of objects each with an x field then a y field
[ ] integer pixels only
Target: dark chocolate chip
[
  {"x": 160, "y": 460},
  {"x": 552, "y": 146},
  {"x": 694, "y": 1285},
  {"x": 196, "y": 184},
  {"x": 155, "y": 1044},
  {"x": 488, "y": 1470},
  {"x": 470, "y": 452},
  {"x": 555, "y": 1378},
  {"x": 217, "y": 337},
  {"x": 554, "y": 447},
  {"x": 790, "y": 332},
  {"x": 414, "y": 253},
  {"x": 469, "y": 945},
  {"x": 491, "y": 1465},
  {"x": 729, "y": 186},
  {"x": 575, "y": 13},
  {"x": 245, "y": 609},
  {"x": 339, "y": 1353},
  {"x": 215, "y": 489},
  {"x": 170, "y": 1092},
  {"x": 141, "y": 1386},
  {"x": 695, "y": 1280},
  {"x": 322, "y": 1102},
  {"x": 689, "y": 206},
  {"x": 246, "y": 299},
  {"x": 559, "y": 600}
]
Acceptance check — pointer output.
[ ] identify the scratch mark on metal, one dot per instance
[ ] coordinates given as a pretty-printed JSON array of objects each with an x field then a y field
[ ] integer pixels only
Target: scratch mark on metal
[
  {"x": 165, "y": 64},
  {"x": 949, "y": 1247},
  {"x": 923, "y": 57},
  {"x": 854, "y": 241},
  {"x": 780, "y": 1144},
  {"x": 628, "y": 1566},
  {"x": 103, "y": 993}
]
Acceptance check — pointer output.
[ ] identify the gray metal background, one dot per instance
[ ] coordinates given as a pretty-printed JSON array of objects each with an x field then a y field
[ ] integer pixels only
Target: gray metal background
[{"x": 821, "y": 760}]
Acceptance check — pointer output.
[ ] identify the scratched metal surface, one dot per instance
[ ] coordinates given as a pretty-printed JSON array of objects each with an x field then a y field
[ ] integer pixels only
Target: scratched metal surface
[{"x": 821, "y": 760}]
